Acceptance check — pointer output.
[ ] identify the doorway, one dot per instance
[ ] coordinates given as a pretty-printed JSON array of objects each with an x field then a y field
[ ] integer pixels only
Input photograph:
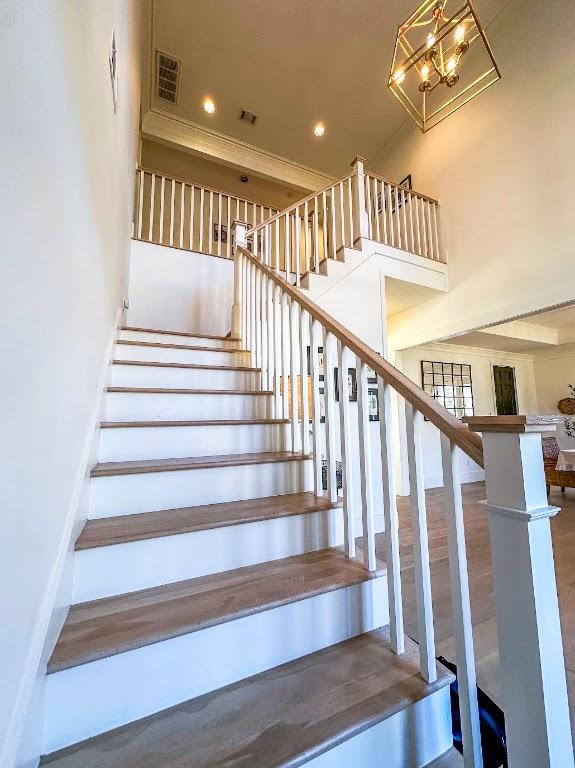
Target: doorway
[{"x": 505, "y": 392}]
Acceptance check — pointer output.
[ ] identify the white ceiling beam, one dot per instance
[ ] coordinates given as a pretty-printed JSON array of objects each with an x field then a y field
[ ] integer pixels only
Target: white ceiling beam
[
  {"x": 518, "y": 329},
  {"x": 168, "y": 129}
]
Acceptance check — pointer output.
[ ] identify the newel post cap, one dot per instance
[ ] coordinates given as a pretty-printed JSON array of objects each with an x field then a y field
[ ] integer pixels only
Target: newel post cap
[
  {"x": 514, "y": 424},
  {"x": 357, "y": 160}
]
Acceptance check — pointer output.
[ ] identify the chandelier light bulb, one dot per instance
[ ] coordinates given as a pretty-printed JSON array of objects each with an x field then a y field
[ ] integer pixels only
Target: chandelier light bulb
[
  {"x": 425, "y": 72},
  {"x": 430, "y": 40},
  {"x": 399, "y": 76},
  {"x": 451, "y": 64},
  {"x": 460, "y": 34}
]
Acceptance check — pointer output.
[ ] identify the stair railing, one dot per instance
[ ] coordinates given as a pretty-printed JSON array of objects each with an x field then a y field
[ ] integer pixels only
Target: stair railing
[
  {"x": 301, "y": 239},
  {"x": 287, "y": 335},
  {"x": 193, "y": 217}
]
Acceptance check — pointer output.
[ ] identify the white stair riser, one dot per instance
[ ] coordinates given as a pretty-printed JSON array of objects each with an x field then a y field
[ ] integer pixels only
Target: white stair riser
[
  {"x": 176, "y": 338},
  {"x": 413, "y": 737},
  {"x": 96, "y": 697},
  {"x": 127, "y": 444},
  {"x": 145, "y": 406},
  {"x": 147, "y": 492},
  {"x": 183, "y": 378},
  {"x": 121, "y": 568},
  {"x": 168, "y": 355}
]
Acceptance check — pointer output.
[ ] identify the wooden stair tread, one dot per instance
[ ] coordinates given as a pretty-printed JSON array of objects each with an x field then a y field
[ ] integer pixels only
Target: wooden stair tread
[
  {"x": 144, "y": 466},
  {"x": 106, "y": 531},
  {"x": 193, "y": 347},
  {"x": 193, "y": 366},
  {"x": 187, "y": 391},
  {"x": 194, "y": 423},
  {"x": 283, "y": 717},
  {"x": 178, "y": 333},
  {"x": 113, "y": 625}
]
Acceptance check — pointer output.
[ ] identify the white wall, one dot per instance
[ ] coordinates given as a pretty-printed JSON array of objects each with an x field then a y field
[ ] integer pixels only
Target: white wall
[
  {"x": 554, "y": 370},
  {"x": 176, "y": 290},
  {"x": 503, "y": 168},
  {"x": 482, "y": 362},
  {"x": 66, "y": 204}
]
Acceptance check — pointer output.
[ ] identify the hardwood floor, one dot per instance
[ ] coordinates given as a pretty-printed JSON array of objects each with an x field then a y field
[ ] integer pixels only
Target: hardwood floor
[{"x": 480, "y": 580}]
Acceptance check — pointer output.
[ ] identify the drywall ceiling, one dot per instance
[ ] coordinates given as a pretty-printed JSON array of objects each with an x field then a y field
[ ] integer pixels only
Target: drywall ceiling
[
  {"x": 538, "y": 331},
  {"x": 292, "y": 64}
]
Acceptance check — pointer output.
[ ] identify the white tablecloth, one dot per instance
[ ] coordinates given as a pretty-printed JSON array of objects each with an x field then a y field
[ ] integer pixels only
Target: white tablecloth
[{"x": 566, "y": 461}]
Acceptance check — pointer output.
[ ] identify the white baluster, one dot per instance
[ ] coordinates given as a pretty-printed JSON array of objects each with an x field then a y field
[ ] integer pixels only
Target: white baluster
[
  {"x": 436, "y": 238},
  {"x": 201, "y": 247},
  {"x": 418, "y": 226},
  {"x": 172, "y": 212},
  {"x": 324, "y": 226},
  {"x": 423, "y": 225},
  {"x": 315, "y": 235},
  {"x": 162, "y": 189},
  {"x": 297, "y": 248},
  {"x": 192, "y": 215},
  {"x": 286, "y": 247},
  {"x": 397, "y": 219},
  {"x": 390, "y": 518},
  {"x": 219, "y": 224},
  {"x": 429, "y": 232},
  {"x": 152, "y": 207},
  {"x": 306, "y": 241},
  {"x": 285, "y": 336},
  {"x": 365, "y": 469},
  {"x": 344, "y": 356},
  {"x": 333, "y": 224},
  {"x": 350, "y": 209},
  {"x": 390, "y": 214},
  {"x": 182, "y": 203},
  {"x": 461, "y": 607},
  {"x": 211, "y": 222},
  {"x": 294, "y": 359},
  {"x": 229, "y": 230},
  {"x": 329, "y": 387},
  {"x": 278, "y": 412},
  {"x": 258, "y": 312},
  {"x": 269, "y": 381},
  {"x": 140, "y": 203},
  {"x": 405, "y": 238},
  {"x": 341, "y": 213},
  {"x": 304, "y": 339},
  {"x": 425, "y": 632},
  {"x": 315, "y": 332},
  {"x": 383, "y": 212}
]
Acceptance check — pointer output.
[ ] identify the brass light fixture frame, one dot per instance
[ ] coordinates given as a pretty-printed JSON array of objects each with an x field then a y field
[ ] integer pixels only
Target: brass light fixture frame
[{"x": 405, "y": 58}]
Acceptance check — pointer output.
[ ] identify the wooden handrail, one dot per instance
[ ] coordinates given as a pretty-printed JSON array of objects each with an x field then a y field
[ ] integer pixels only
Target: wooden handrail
[
  {"x": 303, "y": 201},
  {"x": 405, "y": 189},
  {"x": 469, "y": 442},
  {"x": 203, "y": 186}
]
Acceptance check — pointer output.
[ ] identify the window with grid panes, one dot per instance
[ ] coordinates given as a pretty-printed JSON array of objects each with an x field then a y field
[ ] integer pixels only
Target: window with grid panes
[{"x": 450, "y": 384}]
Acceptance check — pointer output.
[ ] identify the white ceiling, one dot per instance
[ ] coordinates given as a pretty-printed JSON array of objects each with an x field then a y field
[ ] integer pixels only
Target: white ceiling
[
  {"x": 561, "y": 320},
  {"x": 292, "y": 63}
]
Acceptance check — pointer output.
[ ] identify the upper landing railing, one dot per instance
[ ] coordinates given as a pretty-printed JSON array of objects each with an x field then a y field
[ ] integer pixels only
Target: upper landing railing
[
  {"x": 294, "y": 241},
  {"x": 300, "y": 239},
  {"x": 180, "y": 214}
]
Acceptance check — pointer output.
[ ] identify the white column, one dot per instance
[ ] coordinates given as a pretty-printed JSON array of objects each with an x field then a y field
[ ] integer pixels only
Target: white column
[
  {"x": 240, "y": 230},
  {"x": 530, "y": 644},
  {"x": 360, "y": 216}
]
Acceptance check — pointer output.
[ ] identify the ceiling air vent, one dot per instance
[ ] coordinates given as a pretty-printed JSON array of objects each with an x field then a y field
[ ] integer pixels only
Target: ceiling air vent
[
  {"x": 247, "y": 117},
  {"x": 167, "y": 77}
]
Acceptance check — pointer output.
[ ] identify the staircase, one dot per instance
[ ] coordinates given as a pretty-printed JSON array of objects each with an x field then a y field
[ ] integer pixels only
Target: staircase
[
  {"x": 216, "y": 618},
  {"x": 224, "y": 612}
]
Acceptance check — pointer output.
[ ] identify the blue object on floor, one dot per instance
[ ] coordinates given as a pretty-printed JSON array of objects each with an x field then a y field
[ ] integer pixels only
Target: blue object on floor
[{"x": 491, "y": 723}]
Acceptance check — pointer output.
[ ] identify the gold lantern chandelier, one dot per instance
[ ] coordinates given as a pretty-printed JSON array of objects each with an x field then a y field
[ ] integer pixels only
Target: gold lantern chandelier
[{"x": 440, "y": 61}]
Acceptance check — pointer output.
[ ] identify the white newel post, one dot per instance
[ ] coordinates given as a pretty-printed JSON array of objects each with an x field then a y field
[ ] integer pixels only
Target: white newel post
[
  {"x": 240, "y": 239},
  {"x": 360, "y": 217},
  {"x": 530, "y": 644}
]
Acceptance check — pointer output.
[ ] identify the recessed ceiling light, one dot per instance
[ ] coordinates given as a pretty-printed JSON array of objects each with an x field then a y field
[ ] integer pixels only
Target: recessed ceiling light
[
  {"x": 319, "y": 130},
  {"x": 209, "y": 106}
]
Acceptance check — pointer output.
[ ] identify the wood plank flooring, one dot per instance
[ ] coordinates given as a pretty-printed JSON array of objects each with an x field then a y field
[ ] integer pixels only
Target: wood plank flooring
[
  {"x": 192, "y": 366},
  {"x": 179, "y": 333},
  {"x": 143, "y": 466},
  {"x": 282, "y": 717},
  {"x": 194, "y": 347},
  {"x": 480, "y": 580},
  {"x": 105, "y": 531},
  {"x": 113, "y": 625}
]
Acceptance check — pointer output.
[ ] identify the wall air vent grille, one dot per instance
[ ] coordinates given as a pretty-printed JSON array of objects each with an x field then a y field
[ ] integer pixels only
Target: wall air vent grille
[
  {"x": 247, "y": 117},
  {"x": 167, "y": 77}
]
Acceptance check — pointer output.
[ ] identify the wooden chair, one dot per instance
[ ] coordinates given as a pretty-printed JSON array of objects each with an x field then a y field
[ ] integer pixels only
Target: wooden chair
[{"x": 553, "y": 476}]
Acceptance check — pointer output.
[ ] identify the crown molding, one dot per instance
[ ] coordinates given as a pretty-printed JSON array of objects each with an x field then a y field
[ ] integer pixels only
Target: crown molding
[
  {"x": 460, "y": 349},
  {"x": 166, "y": 128}
]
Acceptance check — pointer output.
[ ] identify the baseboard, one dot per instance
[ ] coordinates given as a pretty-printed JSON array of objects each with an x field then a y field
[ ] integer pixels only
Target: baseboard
[{"x": 27, "y": 715}]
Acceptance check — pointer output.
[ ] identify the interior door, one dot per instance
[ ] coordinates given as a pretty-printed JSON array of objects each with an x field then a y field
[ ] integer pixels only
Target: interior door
[{"x": 505, "y": 392}]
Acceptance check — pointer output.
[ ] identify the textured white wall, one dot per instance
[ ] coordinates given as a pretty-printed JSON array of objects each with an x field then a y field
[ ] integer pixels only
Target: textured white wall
[
  {"x": 503, "y": 168},
  {"x": 177, "y": 290},
  {"x": 66, "y": 203}
]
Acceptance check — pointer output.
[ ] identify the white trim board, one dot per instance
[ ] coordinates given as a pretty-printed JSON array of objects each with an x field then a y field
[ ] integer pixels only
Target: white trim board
[
  {"x": 166, "y": 128},
  {"x": 50, "y": 617}
]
